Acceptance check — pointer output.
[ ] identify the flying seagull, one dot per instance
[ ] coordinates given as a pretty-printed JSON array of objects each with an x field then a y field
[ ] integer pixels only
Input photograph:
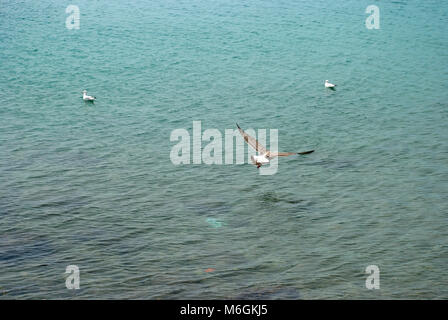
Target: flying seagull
[
  {"x": 264, "y": 155},
  {"x": 85, "y": 97},
  {"x": 329, "y": 85}
]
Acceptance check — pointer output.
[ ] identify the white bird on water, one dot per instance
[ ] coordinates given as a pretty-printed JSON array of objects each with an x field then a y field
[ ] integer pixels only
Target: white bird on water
[
  {"x": 264, "y": 155},
  {"x": 329, "y": 85},
  {"x": 85, "y": 97}
]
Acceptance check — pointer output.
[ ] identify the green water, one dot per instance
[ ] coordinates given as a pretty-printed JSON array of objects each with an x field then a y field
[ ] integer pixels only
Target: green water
[{"x": 93, "y": 184}]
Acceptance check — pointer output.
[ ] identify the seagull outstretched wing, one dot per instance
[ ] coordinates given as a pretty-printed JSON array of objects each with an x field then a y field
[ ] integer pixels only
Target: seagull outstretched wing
[
  {"x": 280, "y": 154},
  {"x": 262, "y": 150},
  {"x": 252, "y": 141},
  {"x": 285, "y": 154}
]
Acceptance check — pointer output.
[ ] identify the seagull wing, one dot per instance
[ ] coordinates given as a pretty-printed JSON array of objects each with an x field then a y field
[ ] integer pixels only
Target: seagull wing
[
  {"x": 280, "y": 154},
  {"x": 252, "y": 141},
  {"x": 285, "y": 154},
  {"x": 306, "y": 152}
]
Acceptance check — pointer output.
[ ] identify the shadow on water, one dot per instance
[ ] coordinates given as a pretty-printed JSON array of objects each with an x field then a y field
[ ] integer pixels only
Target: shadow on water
[
  {"x": 272, "y": 197},
  {"x": 288, "y": 202}
]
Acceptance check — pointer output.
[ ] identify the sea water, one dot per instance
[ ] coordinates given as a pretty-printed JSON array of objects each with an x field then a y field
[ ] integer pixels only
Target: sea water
[{"x": 93, "y": 185}]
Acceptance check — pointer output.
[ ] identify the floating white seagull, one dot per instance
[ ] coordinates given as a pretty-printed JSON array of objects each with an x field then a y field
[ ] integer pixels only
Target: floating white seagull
[
  {"x": 264, "y": 155},
  {"x": 329, "y": 85},
  {"x": 85, "y": 97}
]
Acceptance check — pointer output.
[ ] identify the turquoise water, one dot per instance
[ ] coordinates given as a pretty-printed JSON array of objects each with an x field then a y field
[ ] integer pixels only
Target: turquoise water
[{"x": 93, "y": 184}]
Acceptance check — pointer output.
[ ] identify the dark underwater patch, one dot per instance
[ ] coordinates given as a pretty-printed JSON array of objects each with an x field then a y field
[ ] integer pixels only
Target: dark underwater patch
[{"x": 23, "y": 247}]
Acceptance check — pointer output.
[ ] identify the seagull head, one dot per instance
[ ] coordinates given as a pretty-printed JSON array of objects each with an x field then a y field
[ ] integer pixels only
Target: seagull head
[
  {"x": 84, "y": 91},
  {"x": 326, "y": 80}
]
